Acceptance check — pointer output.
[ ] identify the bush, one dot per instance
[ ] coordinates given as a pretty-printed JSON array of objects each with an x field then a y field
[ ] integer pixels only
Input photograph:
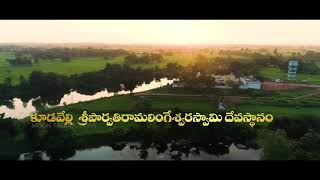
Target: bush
[
  {"x": 276, "y": 145},
  {"x": 294, "y": 127}
]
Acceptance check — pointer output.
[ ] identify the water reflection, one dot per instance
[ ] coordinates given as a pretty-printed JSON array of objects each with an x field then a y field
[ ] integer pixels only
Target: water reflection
[
  {"x": 20, "y": 110},
  {"x": 142, "y": 151}
]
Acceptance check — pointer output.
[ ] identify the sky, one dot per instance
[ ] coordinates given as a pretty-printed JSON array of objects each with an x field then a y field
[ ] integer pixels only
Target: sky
[{"x": 165, "y": 32}]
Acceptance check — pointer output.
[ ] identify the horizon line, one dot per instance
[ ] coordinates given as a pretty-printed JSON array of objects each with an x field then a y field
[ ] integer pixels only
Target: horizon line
[{"x": 162, "y": 44}]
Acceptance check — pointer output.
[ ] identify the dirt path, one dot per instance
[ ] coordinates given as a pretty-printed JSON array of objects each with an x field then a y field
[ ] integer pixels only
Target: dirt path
[
  {"x": 167, "y": 94},
  {"x": 265, "y": 86},
  {"x": 279, "y": 86},
  {"x": 307, "y": 95}
]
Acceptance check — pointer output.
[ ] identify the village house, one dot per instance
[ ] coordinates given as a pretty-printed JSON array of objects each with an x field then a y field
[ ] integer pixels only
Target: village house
[
  {"x": 224, "y": 81},
  {"x": 249, "y": 83},
  {"x": 221, "y": 81}
]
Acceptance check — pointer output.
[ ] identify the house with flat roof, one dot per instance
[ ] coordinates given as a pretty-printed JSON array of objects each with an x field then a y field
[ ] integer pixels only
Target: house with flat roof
[{"x": 249, "y": 83}]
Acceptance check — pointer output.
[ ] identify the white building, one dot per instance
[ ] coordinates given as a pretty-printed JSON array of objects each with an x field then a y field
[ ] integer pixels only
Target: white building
[
  {"x": 292, "y": 69},
  {"x": 198, "y": 75},
  {"x": 249, "y": 83},
  {"x": 221, "y": 80}
]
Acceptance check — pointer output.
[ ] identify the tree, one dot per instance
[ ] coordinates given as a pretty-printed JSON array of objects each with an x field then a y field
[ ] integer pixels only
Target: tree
[
  {"x": 66, "y": 58},
  {"x": 294, "y": 127},
  {"x": 310, "y": 141},
  {"x": 236, "y": 67},
  {"x": 231, "y": 83},
  {"x": 8, "y": 82},
  {"x": 308, "y": 146},
  {"x": 276, "y": 145},
  {"x": 275, "y": 52},
  {"x": 36, "y": 60},
  {"x": 173, "y": 69},
  {"x": 130, "y": 85},
  {"x": 6, "y": 89},
  {"x": 156, "y": 57}
]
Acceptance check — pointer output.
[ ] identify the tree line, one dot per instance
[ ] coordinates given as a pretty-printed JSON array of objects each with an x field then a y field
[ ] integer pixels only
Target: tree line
[
  {"x": 60, "y": 53},
  {"x": 145, "y": 58},
  {"x": 51, "y": 87}
]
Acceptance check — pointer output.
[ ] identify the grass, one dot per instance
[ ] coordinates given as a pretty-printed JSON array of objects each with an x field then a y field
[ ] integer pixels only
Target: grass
[
  {"x": 272, "y": 73},
  {"x": 76, "y": 66},
  {"x": 3, "y": 57},
  {"x": 127, "y": 103},
  {"x": 171, "y": 90},
  {"x": 231, "y": 92},
  {"x": 278, "y": 111},
  {"x": 183, "y": 59},
  {"x": 185, "y": 104},
  {"x": 275, "y": 73},
  {"x": 294, "y": 93},
  {"x": 116, "y": 103}
]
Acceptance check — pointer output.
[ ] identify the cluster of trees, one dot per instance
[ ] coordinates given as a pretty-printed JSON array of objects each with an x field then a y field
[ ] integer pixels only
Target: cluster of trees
[
  {"x": 208, "y": 66},
  {"x": 51, "y": 87},
  {"x": 291, "y": 138},
  {"x": 65, "y": 54},
  {"x": 146, "y": 58},
  {"x": 112, "y": 76},
  {"x": 309, "y": 67},
  {"x": 29, "y": 56},
  {"x": 20, "y": 61},
  {"x": 68, "y": 53},
  {"x": 227, "y": 65},
  {"x": 311, "y": 56},
  {"x": 8, "y": 48},
  {"x": 6, "y": 90},
  {"x": 238, "y": 66}
]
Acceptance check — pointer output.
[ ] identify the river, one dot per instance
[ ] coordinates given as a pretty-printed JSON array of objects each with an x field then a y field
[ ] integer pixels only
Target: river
[
  {"x": 20, "y": 109},
  {"x": 128, "y": 150},
  {"x": 131, "y": 151}
]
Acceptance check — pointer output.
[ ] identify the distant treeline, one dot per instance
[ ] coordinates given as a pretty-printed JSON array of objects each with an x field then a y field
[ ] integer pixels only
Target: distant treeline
[
  {"x": 146, "y": 58},
  {"x": 50, "y": 86},
  {"x": 238, "y": 66},
  {"x": 65, "y": 53},
  {"x": 29, "y": 56}
]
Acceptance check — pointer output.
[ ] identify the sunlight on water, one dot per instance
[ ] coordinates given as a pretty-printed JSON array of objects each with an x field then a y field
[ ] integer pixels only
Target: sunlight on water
[{"x": 20, "y": 111}]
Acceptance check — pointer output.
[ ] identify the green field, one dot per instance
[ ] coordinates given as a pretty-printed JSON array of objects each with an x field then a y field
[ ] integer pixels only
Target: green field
[
  {"x": 76, "y": 65},
  {"x": 180, "y": 58},
  {"x": 275, "y": 73},
  {"x": 278, "y": 111},
  {"x": 127, "y": 104}
]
